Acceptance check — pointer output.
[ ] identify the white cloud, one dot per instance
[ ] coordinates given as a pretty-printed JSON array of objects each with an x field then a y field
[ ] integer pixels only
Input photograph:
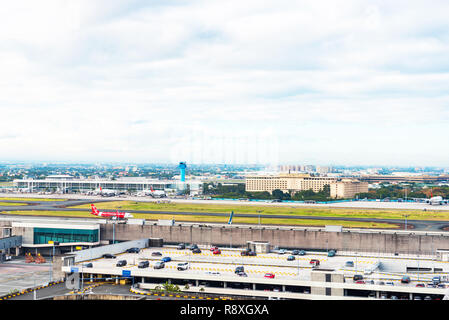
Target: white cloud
[{"x": 128, "y": 80}]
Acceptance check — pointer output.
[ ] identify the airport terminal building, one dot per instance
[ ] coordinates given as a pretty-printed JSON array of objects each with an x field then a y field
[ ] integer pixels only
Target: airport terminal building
[{"x": 66, "y": 183}]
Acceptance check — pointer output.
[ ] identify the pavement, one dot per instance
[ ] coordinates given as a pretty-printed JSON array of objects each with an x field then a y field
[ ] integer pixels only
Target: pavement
[
  {"x": 16, "y": 275},
  {"x": 74, "y": 200}
]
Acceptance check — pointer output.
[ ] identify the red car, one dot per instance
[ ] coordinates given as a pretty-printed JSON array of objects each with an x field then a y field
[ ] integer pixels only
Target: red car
[
  {"x": 315, "y": 262},
  {"x": 360, "y": 282},
  {"x": 217, "y": 251},
  {"x": 269, "y": 275},
  {"x": 213, "y": 248},
  {"x": 420, "y": 285}
]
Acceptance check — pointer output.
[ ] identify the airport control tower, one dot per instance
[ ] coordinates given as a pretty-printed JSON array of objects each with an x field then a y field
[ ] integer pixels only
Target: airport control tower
[{"x": 182, "y": 167}]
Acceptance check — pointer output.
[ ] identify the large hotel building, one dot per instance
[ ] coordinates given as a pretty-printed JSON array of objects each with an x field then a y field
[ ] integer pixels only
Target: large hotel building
[{"x": 294, "y": 182}]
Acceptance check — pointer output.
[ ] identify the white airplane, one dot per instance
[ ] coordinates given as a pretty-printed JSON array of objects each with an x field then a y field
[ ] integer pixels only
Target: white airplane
[
  {"x": 105, "y": 192},
  {"x": 438, "y": 200},
  {"x": 152, "y": 192}
]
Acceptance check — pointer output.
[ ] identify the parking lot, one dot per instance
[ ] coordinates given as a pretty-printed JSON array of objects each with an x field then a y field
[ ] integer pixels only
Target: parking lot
[{"x": 392, "y": 269}]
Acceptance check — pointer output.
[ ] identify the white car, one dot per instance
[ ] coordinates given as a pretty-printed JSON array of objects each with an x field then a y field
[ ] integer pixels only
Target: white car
[{"x": 182, "y": 266}]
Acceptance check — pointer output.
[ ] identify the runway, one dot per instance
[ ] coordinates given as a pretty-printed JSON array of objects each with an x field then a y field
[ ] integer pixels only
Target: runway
[{"x": 418, "y": 225}]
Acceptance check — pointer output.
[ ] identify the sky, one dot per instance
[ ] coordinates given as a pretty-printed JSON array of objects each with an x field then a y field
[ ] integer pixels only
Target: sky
[{"x": 279, "y": 82}]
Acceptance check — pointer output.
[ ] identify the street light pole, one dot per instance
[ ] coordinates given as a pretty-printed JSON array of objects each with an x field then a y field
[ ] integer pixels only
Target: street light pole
[{"x": 405, "y": 216}]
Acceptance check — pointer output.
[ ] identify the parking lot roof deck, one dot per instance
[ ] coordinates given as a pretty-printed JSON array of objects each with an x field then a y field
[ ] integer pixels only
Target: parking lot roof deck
[{"x": 165, "y": 274}]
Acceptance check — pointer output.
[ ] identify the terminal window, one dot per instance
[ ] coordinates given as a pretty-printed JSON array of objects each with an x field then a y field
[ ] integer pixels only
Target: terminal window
[{"x": 43, "y": 235}]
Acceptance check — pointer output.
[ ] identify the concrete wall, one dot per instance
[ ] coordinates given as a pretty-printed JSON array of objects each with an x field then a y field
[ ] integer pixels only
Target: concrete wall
[
  {"x": 94, "y": 253},
  {"x": 383, "y": 242}
]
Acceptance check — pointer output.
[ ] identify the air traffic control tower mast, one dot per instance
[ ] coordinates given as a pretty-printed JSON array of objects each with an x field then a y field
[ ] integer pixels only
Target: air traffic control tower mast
[{"x": 182, "y": 167}]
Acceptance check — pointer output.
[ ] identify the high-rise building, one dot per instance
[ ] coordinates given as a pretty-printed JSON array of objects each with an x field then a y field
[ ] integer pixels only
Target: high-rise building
[{"x": 286, "y": 182}]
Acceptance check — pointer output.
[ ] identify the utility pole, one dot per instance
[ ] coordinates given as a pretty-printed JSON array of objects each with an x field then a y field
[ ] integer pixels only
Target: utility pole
[
  {"x": 113, "y": 232},
  {"x": 259, "y": 211},
  {"x": 405, "y": 216},
  {"x": 55, "y": 243}
]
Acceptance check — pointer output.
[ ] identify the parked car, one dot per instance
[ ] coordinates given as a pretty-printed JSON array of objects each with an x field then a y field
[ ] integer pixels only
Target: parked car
[
  {"x": 214, "y": 273},
  {"x": 427, "y": 298},
  {"x": 331, "y": 253},
  {"x": 121, "y": 263},
  {"x": 394, "y": 298},
  {"x": 357, "y": 277},
  {"x": 282, "y": 251},
  {"x": 252, "y": 254},
  {"x": 159, "y": 265},
  {"x": 380, "y": 283},
  {"x": 269, "y": 275},
  {"x": 290, "y": 258},
  {"x": 242, "y": 274},
  {"x": 405, "y": 279},
  {"x": 143, "y": 264},
  {"x": 217, "y": 251},
  {"x": 295, "y": 252},
  {"x": 441, "y": 286},
  {"x": 436, "y": 280},
  {"x": 369, "y": 281},
  {"x": 245, "y": 252},
  {"x": 420, "y": 285},
  {"x": 213, "y": 248},
  {"x": 417, "y": 298},
  {"x": 166, "y": 259},
  {"x": 302, "y": 253},
  {"x": 133, "y": 250},
  {"x": 193, "y": 246},
  {"x": 314, "y": 262},
  {"x": 360, "y": 282},
  {"x": 196, "y": 250},
  {"x": 109, "y": 256},
  {"x": 389, "y": 283},
  {"x": 88, "y": 265},
  {"x": 349, "y": 264},
  {"x": 183, "y": 266},
  {"x": 181, "y": 246},
  {"x": 156, "y": 254},
  {"x": 239, "y": 269}
]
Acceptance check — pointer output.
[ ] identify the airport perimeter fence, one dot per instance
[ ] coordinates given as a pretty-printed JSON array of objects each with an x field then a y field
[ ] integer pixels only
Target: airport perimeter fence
[{"x": 307, "y": 201}]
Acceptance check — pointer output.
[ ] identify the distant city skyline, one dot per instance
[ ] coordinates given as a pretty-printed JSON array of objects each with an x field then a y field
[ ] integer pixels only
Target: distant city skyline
[{"x": 278, "y": 82}]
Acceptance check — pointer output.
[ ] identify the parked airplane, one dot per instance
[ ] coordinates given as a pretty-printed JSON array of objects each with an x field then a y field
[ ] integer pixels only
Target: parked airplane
[
  {"x": 153, "y": 193},
  {"x": 157, "y": 193},
  {"x": 438, "y": 200},
  {"x": 110, "y": 214}
]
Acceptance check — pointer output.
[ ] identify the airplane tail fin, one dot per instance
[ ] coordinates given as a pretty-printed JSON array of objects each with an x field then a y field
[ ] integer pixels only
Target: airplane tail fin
[
  {"x": 94, "y": 209},
  {"x": 230, "y": 217}
]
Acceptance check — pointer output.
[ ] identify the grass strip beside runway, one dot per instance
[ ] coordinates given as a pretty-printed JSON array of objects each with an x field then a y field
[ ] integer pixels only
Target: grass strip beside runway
[
  {"x": 31, "y": 199},
  {"x": 12, "y": 204},
  {"x": 270, "y": 210},
  {"x": 200, "y": 218}
]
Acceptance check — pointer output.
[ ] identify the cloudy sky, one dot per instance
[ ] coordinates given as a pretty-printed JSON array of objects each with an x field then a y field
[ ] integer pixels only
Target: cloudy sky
[{"x": 320, "y": 82}]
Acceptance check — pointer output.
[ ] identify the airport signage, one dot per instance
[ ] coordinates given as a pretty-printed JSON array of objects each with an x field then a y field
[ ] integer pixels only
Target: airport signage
[
  {"x": 126, "y": 273},
  {"x": 74, "y": 269}
]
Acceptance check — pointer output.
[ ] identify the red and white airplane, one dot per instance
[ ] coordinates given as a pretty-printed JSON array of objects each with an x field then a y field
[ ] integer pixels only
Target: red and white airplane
[{"x": 111, "y": 214}]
